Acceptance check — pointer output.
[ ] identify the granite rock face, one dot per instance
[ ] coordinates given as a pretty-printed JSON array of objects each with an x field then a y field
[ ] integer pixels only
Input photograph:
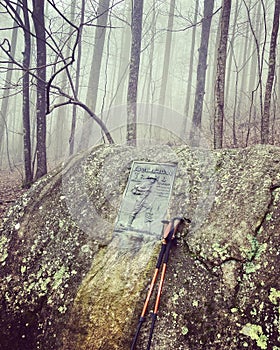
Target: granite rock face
[{"x": 68, "y": 282}]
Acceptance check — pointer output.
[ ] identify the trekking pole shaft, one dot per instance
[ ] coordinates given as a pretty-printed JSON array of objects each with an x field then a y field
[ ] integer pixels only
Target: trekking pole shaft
[
  {"x": 149, "y": 293},
  {"x": 160, "y": 288},
  {"x": 156, "y": 307},
  {"x": 168, "y": 237},
  {"x": 153, "y": 282},
  {"x": 151, "y": 288},
  {"x": 142, "y": 317},
  {"x": 154, "y": 318},
  {"x": 137, "y": 333},
  {"x": 163, "y": 272}
]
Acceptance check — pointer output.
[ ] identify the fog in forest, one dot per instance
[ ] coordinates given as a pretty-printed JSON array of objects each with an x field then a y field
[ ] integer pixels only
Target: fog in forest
[{"x": 147, "y": 72}]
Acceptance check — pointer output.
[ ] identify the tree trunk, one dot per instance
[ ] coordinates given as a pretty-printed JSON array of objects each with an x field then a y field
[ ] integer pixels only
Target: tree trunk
[
  {"x": 229, "y": 87},
  {"x": 7, "y": 85},
  {"x": 189, "y": 88},
  {"x": 256, "y": 69},
  {"x": 167, "y": 54},
  {"x": 26, "y": 98},
  {"x": 220, "y": 78},
  {"x": 77, "y": 81},
  {"x": 165, "y": 69},
  {"x": 124, "y": 59},
  {"x": 39, "y": 25},
  {"x": 150, "y": 91},
  {"x": 59, "y": 125},
  {"x": 270, "y": 75},
  {"x": 240, "y": 108},
  {"x": 136, "y": 28},
  {"x": 201, "y": 73},
  {"x": 93, "y": 83}
]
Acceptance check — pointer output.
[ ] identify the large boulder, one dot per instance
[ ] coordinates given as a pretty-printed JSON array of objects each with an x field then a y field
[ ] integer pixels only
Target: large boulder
[{"x": 69, "y": 282}]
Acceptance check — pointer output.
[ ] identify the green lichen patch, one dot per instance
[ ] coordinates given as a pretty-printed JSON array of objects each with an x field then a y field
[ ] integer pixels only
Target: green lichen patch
[
  {"x": 255, "y": 332},
  {"x": 184, "y": 330},
  {"x": 220, "y": 251},
  {"x": 3, "y": 249},
  {"x": 274, "y": 296}
]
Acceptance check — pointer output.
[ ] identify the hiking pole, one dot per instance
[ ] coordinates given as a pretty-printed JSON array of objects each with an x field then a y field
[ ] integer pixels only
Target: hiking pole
[
  {"x": 169, "y": 232},
  {"x": 151, "y": 288},
  {"x": 170, "y": 235}
]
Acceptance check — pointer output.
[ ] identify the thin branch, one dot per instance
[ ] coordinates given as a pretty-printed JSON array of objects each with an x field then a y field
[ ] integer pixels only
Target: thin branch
[
  {"x": 49, "y": 85},
  {"x": 87, "y": 109},
  {"x": 13, "y": 13},
  {"x": 12, "y": 60},
  {"x": 10, "y": 28},
  {"x": 102, "y": 13},
  {"x": 52, "y": 3},
  {"x": 195, "y": 24}
]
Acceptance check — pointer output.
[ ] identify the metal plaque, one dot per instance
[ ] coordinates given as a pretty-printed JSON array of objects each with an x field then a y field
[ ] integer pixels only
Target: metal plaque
[{"x": 146, "y": 198}]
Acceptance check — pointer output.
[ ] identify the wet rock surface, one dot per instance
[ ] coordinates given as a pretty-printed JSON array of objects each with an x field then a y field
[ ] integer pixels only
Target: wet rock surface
[{"x": 68, "y": 282}]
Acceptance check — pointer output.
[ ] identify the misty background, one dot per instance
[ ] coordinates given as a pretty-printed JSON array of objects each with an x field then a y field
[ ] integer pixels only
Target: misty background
[{"x": 95, "y": 78}]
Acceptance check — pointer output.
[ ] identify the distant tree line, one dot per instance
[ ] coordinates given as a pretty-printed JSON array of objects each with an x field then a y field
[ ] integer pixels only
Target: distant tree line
[{"x": 65, "y": 63}]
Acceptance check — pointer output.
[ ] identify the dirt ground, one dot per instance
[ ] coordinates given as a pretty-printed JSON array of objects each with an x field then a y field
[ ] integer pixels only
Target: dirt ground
[{"x": 10, "y": 189}]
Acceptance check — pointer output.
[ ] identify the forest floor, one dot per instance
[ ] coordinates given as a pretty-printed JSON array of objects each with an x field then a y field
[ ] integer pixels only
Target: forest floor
[{"x": 10, "y": 189}]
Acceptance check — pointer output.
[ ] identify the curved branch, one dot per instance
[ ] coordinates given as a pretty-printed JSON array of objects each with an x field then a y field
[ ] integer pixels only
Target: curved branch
[
  {"x": 71, "y": 100},
  {"x": 90, "y": 112}
]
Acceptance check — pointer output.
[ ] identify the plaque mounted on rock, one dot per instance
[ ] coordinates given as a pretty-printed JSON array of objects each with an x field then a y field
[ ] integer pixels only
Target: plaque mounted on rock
[{"x": 146, "y": 197}]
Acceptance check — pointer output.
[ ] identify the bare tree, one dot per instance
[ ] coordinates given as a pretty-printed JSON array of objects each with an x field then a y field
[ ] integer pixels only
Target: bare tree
[
  {"x": 68, "y": 98},
  {"x": 8, "y": 79},
  {"x": 220, "y": 77},
  {"x": 26, "y": 98},
  {"x": 257, "y": 61},
  {"x": 57, "y": 64},
  {"x": 39, "y": 26},
  {"x": 201, "y": 72},
  {"x": 95, "y": 69},
  {"x": 231, "y": 51},
  {"x": 77, "y": 79},
  {"x": 239, "y": 98},
  {"x": 59, "y": 125},
  {"x": 167, "y": 54},
  {"x": 270, "y": 75},
  {"x": 124, "y": 58},
  {"x": 190, "y": 74},
  {"x": 137, "y": 16}
]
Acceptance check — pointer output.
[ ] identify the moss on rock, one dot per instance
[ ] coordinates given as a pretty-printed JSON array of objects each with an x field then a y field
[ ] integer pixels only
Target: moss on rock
[{"x": 68, "y": 282}]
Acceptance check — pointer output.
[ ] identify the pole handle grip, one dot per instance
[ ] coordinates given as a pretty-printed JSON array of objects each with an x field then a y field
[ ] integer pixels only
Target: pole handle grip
[{"x": 171, "y": 228}]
